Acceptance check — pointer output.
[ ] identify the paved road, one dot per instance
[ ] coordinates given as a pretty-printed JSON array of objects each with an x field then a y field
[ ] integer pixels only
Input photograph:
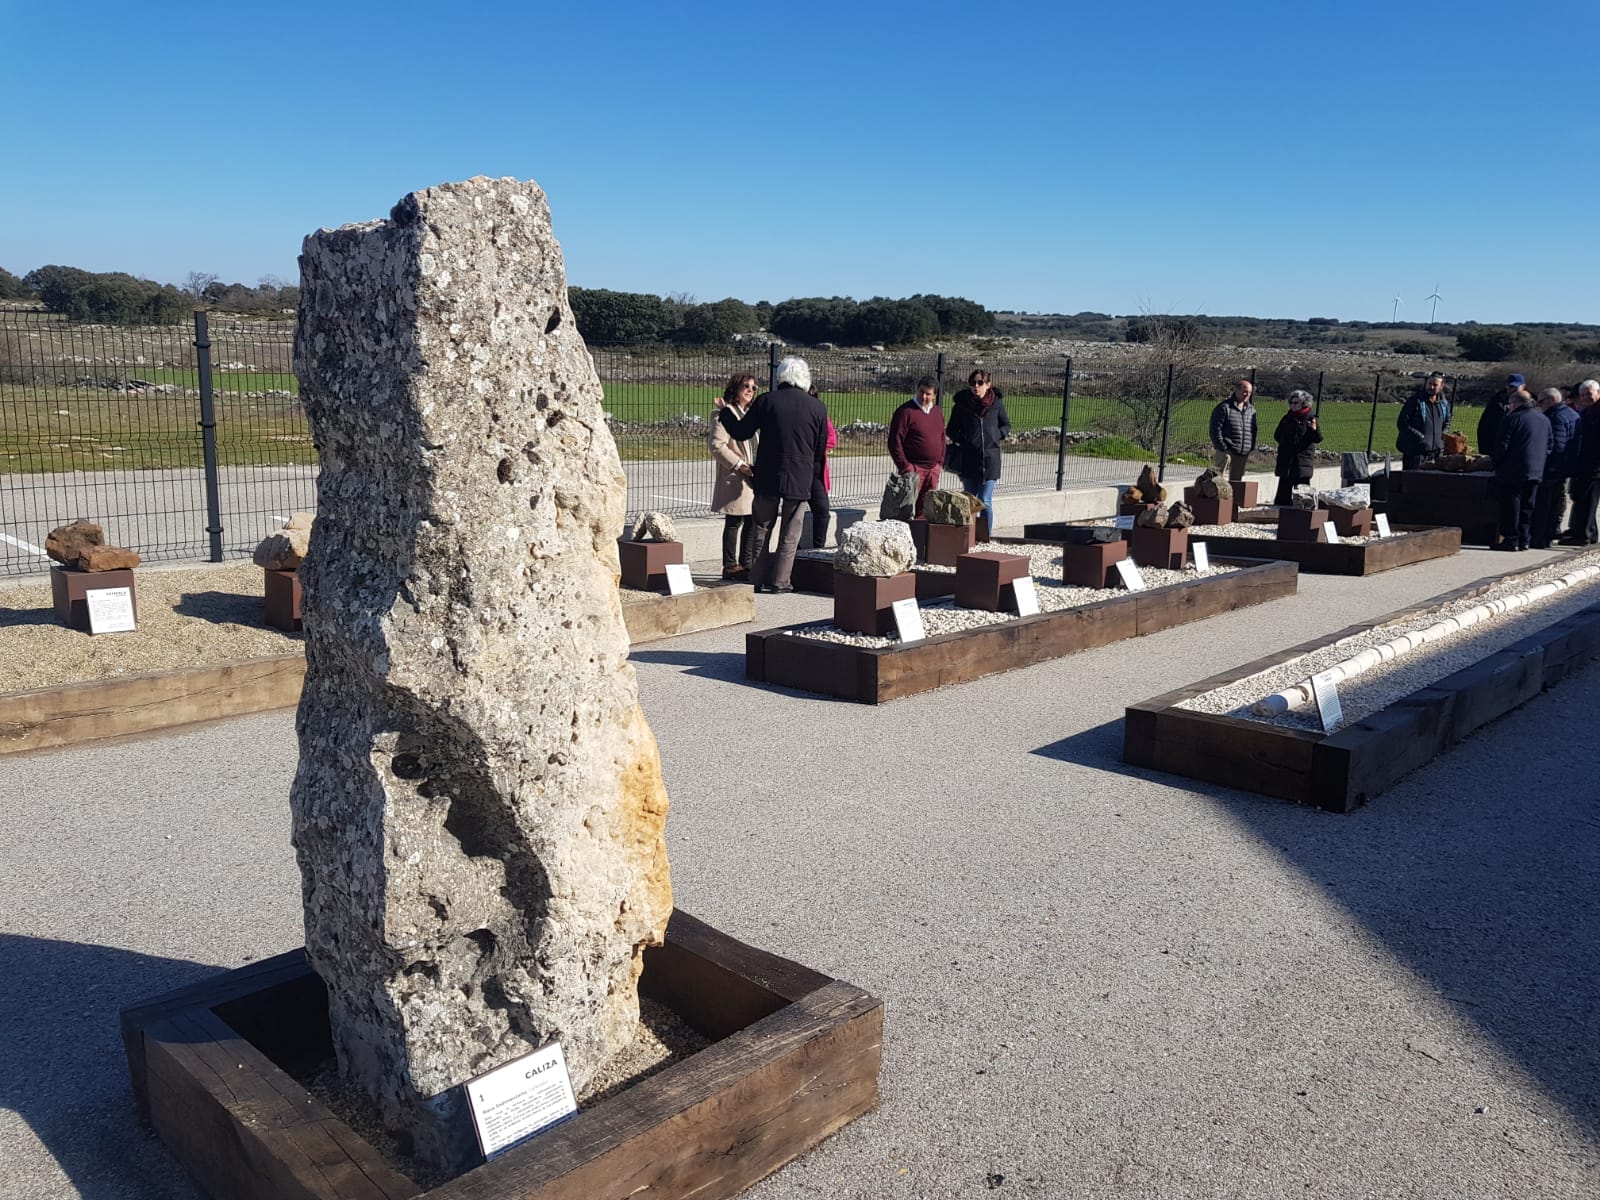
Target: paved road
[
  {"x": 1099, "y": 982},
  {"x": 162, "y": 514}
]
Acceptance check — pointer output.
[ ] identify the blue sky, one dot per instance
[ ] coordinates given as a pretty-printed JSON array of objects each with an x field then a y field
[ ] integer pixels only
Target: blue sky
[{"x": 1234, "y": 158}]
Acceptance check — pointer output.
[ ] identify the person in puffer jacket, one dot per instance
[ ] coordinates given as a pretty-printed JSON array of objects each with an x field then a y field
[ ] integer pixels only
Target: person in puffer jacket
[
  {"x": 1559, "y": 466},
  {"x": 1233, "y": 431}
]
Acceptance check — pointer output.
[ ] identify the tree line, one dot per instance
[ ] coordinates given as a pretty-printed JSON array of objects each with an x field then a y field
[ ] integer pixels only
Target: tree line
[{"x": 117, "y": 298}]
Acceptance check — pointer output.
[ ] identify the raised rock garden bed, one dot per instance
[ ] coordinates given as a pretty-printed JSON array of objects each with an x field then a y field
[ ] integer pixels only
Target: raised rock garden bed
[
  {"x": 794, "y": 1055},
  {"x": 816, "y": 658},
  {"x": 1398, "y": 716},
  {"x": 1468, "y": 500}
]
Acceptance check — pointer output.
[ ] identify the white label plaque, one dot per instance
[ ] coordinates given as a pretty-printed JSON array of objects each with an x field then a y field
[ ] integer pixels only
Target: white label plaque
[
  {"x": 1326, "y": 691},
  {"x": 515, "y": 1101},
  {"x": 679, "y": 581},
  {"x": 110, "y": 610},
  {"x": 1124, "y": 522},
  {"x": 1202, "y": 556},
  {"x": 1328, "y": 535},
  {"x": 1027, "y": 596},
  {"x": 1129, "y": 571},
  {"x": 1381, "y": 520},
  {"x": 908, "y": 620}
]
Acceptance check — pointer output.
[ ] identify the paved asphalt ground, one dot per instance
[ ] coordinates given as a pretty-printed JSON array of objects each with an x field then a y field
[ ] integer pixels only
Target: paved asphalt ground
[{"x": 1099, "y": 982}]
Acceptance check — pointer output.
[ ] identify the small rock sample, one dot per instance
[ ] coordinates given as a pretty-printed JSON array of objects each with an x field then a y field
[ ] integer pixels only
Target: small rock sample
[
  {"x": 654, "y": 527},
  {"x": 880, "y": 548},
  {"x": 478, "y": 812},
  {"x": 1355, "y": 497},
  {"x": 1180, "y": 516},
  {"x": 67, "y": 543},
  {"x": 1152, "y": 518},
  {"x": 107, "y": 558},
  {"x": 1090, "y": 535},
  {"x": 951, "y": 508},
  {"x": 286, "y": 549},
  {"x": 1148, "y": 489},
  {"x": 1455, "y": 443},
  {"x": 1213, "y": 486}
]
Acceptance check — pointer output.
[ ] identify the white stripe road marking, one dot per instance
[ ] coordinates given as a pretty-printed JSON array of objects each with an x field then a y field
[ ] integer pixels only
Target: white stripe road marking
[
  {"x": 22, "y": 545},
  {"x": 679, "y": 499}
]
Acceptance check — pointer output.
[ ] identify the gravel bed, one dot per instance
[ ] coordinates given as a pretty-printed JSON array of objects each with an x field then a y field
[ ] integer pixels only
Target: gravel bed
[
  {"x": 942, "y": 616},
  {"x": 1388, "y": 682},
  {"x": 188, "y": 617},
  {"x": 1264, "y": 532}
]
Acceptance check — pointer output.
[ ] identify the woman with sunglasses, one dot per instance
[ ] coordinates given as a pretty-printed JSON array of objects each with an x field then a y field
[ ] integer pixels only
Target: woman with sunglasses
[
  {"x": 978, "y": 424},
  {"x": 731, "y": 494}
]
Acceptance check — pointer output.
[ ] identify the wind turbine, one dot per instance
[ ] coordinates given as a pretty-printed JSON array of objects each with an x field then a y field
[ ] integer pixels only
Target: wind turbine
[
  {"x": 1435, "y": 298},
  {"x": 1397, "y": 303}
]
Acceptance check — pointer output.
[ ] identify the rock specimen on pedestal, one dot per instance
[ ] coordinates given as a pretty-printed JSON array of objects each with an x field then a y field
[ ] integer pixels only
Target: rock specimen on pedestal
[
  {"x": 880, "y": 548},
  {"x": 286, "y": 549},
  {"x": 1212, "y": 486},
  {"x": 82, "y": 547},
  {"x": 1148, "y": 489},
  {"x": 1152, "y": 518},
  {"x": 1180, "y": 516},
  {"x": 951, "y": 508},
  {"x": 478, "y": 810},
  {"x": 1355, "y": 497},
  {"x": 1455, "y": 443},
  {"x": 654, "y": 527}
]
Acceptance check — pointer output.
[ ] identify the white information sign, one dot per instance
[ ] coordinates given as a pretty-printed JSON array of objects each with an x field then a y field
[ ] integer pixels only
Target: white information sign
[
  {"x": 908, "y": 620},
  {"x": 515, "y": 1101},
  {"x": 1381, "y": 520},
  {"x": 1125, "y": 522},
  {"x": 1027, "y": 596},
  {"x": 679, "y": 581},
  {"x": 1329, "y": 711},
  {"x": 1129, "y": 571},
  {"x": 1202, "y": 556},
  {"x": 110, "y": 610},
  {"x": 1328, "y": 535}
]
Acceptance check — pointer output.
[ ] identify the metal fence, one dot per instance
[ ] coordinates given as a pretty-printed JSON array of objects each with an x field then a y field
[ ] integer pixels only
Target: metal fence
[{"x": 189, "y": 442}]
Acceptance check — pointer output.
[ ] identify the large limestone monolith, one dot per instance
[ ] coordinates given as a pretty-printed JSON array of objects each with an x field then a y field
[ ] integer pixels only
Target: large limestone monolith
[{"x": 478, "y": 811}]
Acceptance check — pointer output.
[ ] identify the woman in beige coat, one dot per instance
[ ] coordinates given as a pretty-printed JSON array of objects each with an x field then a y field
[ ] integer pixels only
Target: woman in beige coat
[{"x": 731, "y": 494}]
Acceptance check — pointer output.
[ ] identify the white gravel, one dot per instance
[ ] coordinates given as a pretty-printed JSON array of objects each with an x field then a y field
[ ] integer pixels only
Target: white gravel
[
  {"x": 942, "y": 616},
  {"x": 1264, "y": 532},
  {"x": 1385, "y": 684}
]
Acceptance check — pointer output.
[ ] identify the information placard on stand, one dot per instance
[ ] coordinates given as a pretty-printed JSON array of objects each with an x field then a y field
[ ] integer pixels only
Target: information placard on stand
[
  {"x": 1202, "y": 556},
  {"x": 1329, "y": 711},
  {"x": 1128, "y": 571},
  {"x": 1125, "y": 522},
  {"x": 679, "y": 580},
  {"x": 908, "y": 620},
  {"x": 1381, "y": 520},
  {"x": 110, "y": 610},
  {"x": 1328, "y": 535},
  {"x": 1027, "y": 596},
  {"x": 520, "y": 1098}
]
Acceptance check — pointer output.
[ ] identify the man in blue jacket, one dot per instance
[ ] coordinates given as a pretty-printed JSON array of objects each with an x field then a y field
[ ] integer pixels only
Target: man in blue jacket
[
  {"x": 1519, "y": 460},
  {"x": 1560, "y": 466}
]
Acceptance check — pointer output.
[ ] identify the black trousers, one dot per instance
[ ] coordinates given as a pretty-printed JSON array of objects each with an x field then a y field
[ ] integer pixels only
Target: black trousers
[
  {"x": 819, "y": 515},
  {"x": 738, "y": 541},
  {"x": 1517, "y": 500},
  {"x": 1548, "y": 509},
  {"x": 1585, "y": 500}
]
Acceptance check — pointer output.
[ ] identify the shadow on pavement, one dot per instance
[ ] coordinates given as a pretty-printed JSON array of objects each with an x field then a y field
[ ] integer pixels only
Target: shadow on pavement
[
  {"x": 65, "y": 1073},
  {"x": 727, "y": 666},
  {"x": 1099, "y": 747},
  {"x": 15, "y": 617}
]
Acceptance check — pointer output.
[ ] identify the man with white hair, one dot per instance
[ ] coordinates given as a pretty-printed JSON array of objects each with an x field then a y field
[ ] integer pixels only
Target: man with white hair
[
  {"x": 1559, "y": 466},
  {"x": 1582, "y": 528},
  {"x": 1519, "y": 458},
  {"x": 793, "y": 426}
]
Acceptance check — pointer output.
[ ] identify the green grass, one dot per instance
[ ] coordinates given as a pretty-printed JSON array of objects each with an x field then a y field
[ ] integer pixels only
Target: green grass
[{"x": 235, "y": 381}]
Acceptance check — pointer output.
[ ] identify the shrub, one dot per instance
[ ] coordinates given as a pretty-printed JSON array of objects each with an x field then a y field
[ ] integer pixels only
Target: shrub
[
  {"x": 1488, "y": 343},
  {"x": 607, "y": 318}
]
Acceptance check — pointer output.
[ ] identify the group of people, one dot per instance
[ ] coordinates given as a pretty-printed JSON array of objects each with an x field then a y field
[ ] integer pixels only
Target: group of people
[
  {"x": 1233, "y": 439},
  {"x": 771, "y": 455}
]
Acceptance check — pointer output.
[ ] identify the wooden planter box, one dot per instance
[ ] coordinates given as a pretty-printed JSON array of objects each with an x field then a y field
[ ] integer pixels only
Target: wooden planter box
[
  {"x": 1343, "y": 770},
  {"x": 794, "y": 1056},
  {"x": 651, "y": 616},
  {"x": 1469, "y": 502},
  {"x": 1404, "y": 547},
  {"x": 816, "y": 575},
  {"x": 872, "y": 675}
]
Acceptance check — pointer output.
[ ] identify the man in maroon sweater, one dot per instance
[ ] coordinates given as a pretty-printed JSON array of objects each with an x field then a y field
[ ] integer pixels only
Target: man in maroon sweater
[{"x": 916, "y": 439}]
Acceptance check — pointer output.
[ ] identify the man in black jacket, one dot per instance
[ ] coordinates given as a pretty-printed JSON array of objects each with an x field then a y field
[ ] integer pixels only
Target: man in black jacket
[
  {"x": 1519, "y": 459},
  {"x": 794, "y": 443},
  {"x": 1582, "y": 527}
]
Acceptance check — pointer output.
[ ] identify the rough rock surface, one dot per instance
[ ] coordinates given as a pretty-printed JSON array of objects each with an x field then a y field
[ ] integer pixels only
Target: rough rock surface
[
  {"x": 875, "y": 548},
  {"x": 478, "y": 811},
  {"x": 654, "y": 527},
  {"x": 286, "y": 549},
  {"x": 1152, "y": 518},
  {"x": 1455, "y": 443},
  {"x": 1148, "y": 489},
  {"x": 1355, "y": 497},
  {"x": 1180, "y": 516},
  {"x": 951, "y": 508},
  {"x": 1213, "y": 486},
  {"x": 67, "y": 543},
  {"x": 107, "y": 558}
]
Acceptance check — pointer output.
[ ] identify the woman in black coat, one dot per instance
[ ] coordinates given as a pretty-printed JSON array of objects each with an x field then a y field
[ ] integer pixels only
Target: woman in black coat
[
  {"x": 978, "y": 424},
  {"x": 1296, "y": 434}
]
